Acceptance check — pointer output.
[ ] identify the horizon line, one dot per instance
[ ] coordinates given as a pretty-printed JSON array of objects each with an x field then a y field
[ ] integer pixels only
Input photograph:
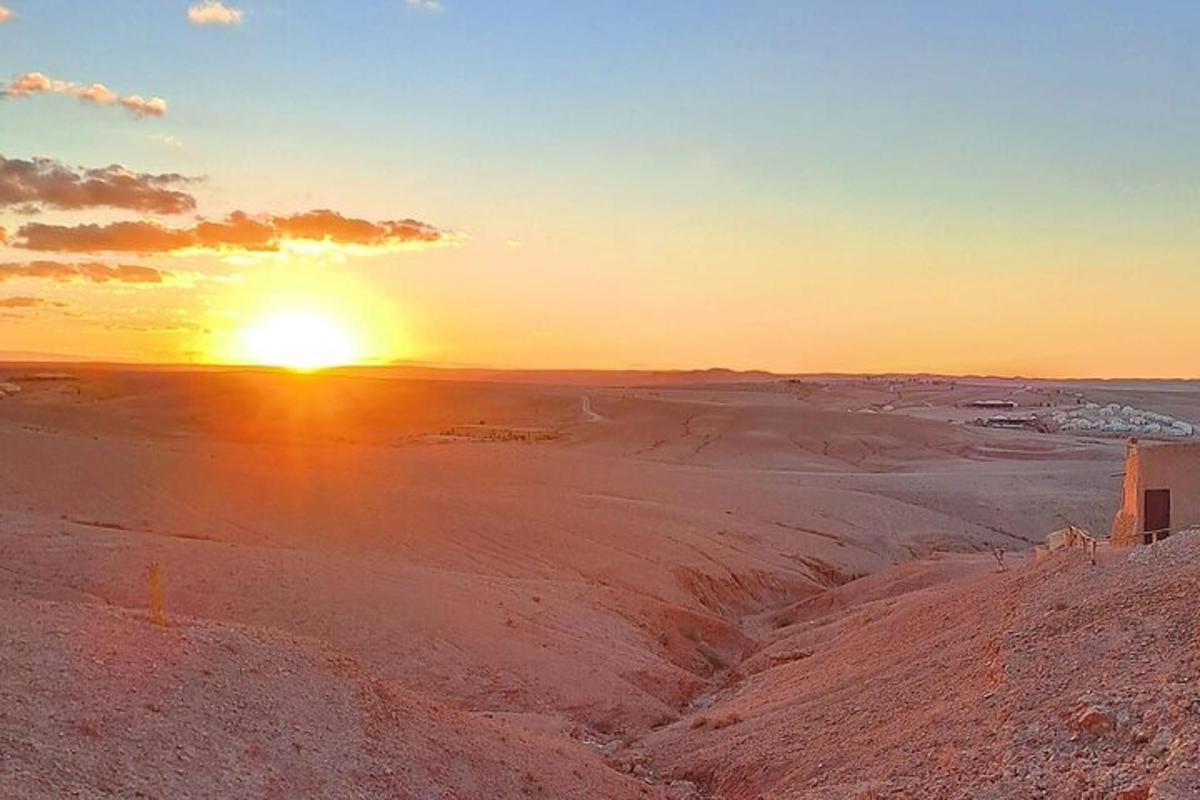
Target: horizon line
[{"x": 35, "y": 359}]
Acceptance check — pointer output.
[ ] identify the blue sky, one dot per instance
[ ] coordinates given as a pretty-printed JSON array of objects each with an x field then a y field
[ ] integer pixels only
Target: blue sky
[{"x": 869, "y": 100}]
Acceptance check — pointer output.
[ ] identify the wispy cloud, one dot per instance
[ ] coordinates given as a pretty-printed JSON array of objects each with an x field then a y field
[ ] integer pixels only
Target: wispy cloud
[
  {"x": 89, "y": 272},
  {"x": 430, "y": 6},
  {"x": 45, "y": 183},
  {"x": 239, "y": 232},
  {"x": 32, "y": 83},
  {"x": 166, "y": 140},
  {"x": 214, "y": 12},
  {"x": 144, "y": 107},
  {"x": 5, "y": 14},
  {"x": 30, "y": 302}
]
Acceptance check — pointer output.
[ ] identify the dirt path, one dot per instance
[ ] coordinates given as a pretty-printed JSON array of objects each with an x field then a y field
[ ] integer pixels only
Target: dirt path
[{"x": 585, "y": 403}]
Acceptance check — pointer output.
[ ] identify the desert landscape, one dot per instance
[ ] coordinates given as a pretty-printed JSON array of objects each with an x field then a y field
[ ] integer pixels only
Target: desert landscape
[
  {"x": 425, "y": 583},
  {"x": 467, "y": 400}
]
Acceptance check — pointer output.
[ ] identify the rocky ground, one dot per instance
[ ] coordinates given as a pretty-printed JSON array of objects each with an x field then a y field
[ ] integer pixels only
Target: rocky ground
[
  {"x": 1055, "y": 679},
  {"x": 99, "y": 702},
  {"x": 466, "y": 589}
]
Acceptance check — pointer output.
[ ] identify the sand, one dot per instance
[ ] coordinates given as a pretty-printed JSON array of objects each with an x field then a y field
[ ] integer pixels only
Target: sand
[{"x": 488, "y": 585}]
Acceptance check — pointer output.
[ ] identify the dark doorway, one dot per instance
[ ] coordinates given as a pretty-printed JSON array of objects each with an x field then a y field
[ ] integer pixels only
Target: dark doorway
[{"x": 1158, "y": 510}]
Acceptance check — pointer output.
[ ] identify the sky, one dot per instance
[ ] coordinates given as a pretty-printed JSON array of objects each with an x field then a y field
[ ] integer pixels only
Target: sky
[{"x": 988, "y": 187}]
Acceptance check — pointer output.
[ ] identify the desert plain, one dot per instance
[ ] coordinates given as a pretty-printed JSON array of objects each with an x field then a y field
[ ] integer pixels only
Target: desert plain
[{"x": 420, "y": 583}]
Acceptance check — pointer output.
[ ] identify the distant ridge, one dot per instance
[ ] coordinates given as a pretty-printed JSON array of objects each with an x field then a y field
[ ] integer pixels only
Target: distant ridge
[{"x": 36, "y": 357}]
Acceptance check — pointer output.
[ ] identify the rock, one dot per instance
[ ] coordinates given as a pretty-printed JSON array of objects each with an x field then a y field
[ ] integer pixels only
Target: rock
[
  {"x": 1160, "y": 744},
  {"x": 1095, "y": 721},
  {"x": 1135, "y": 793},
  {"x": 683, "y": 790}
]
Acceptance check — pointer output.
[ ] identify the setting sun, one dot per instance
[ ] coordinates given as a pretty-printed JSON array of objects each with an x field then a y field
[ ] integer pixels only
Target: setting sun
[{"x": 299, "y": 339}]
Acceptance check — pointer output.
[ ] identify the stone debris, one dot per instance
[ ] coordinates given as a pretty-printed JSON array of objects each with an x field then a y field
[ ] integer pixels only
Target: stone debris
[
  {"x": 1183, "y": 546},
  {"x": 1059, "y": 679}
]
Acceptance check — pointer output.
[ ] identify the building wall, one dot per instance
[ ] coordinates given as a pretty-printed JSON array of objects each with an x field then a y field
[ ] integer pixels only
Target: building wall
[
  {"x": 1125, "y": 525},
  {"x": 1165, "y": 466}
]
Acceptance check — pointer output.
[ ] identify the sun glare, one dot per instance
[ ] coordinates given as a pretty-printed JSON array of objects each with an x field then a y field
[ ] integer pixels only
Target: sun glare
[{"x": 299, "y": 339}]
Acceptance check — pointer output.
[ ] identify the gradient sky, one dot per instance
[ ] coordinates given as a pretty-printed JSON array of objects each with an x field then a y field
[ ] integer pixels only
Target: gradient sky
[{"x": 1006, "y": 187}]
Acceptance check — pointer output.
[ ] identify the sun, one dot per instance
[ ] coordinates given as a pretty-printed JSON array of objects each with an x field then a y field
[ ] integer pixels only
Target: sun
[
  {"x": 304, "y": 316},
  {"x": 299, "y": 339}
]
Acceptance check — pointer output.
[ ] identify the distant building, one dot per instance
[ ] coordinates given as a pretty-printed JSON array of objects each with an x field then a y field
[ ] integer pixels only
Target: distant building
[
  {"x": 1001, "y": 421},
  {"x": 1161, "y": 493},
  {"x": 1005, "y": 404},
  {"x": 1013, "y": 423}
]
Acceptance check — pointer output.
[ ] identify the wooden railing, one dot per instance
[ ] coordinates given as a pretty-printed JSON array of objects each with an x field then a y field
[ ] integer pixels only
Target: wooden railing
[
  {"x": 1162, "y": 533},
  {"x": 1080, "y": 537}
]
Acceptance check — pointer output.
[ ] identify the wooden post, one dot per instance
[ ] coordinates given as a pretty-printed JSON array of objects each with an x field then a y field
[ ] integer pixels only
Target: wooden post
[{"x": 154, "y": 583}]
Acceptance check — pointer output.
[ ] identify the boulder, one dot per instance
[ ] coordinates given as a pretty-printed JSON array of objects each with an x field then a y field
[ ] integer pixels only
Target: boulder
[{"x": 1095, "y": 721}]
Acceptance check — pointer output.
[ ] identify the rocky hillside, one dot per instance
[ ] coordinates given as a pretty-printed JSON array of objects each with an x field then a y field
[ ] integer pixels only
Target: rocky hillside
[
  {"x": 99, "y": 702},
  {"x": 1056, "y": 679}
]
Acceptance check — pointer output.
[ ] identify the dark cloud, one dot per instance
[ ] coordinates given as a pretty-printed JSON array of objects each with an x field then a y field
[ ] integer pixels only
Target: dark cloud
[
  {"x": 45, "y": 183},
  {"x": 117, "y": 237},
  {"x": 237, "y": 232},
  {"x": 89, "y": 272}
]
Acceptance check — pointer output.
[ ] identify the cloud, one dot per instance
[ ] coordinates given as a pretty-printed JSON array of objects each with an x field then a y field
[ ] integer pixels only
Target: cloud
[
  {"x": 325, "y": 225},
  {"x": 30, "y": 302},
  {"x": 144, "y": 107},
  {"x": 32, "y": 83},
  {"x": 237, "y": 232},
  {"x": 214, "y": 12},
  {"x": 431, "y": 6},
  {"x": 5, "y": 15},
  {"x": 90, "y": 272},
  {"x": 117, "y": 237},
  {"x": 45, "y": 183},
  {"x": 166, "y": 140}
]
